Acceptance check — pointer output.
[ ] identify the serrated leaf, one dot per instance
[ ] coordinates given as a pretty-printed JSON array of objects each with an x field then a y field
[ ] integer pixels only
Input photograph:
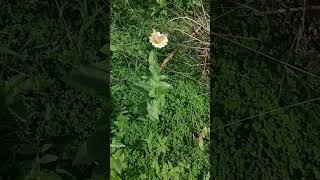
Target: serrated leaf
[
  {"x": 141, "y": 86},
  {"x": 165, "y": 85}
]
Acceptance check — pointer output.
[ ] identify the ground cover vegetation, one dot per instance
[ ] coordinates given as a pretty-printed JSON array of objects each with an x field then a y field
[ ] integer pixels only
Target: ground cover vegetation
[
  {"x": 265, "y": 85},
  {"x": 161, "y": 95}
]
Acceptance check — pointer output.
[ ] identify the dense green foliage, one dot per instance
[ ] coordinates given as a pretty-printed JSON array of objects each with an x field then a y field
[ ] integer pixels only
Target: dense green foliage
[
  {"x": 282, "y": 144},
  {"x": 160, "y": 130}
]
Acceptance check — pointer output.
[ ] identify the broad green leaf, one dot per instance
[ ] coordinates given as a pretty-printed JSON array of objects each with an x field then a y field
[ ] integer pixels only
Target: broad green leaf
[
  {"x": 153, "y": 109},
  {"x": 142, "y": 86},
  {"x": 152, "y": 93},
  {"x": 153, "y": 83},
  {"x": 163, "y": 77},
  {"x": 165, "y": 85},
  {"x": 115, "y": 165}
]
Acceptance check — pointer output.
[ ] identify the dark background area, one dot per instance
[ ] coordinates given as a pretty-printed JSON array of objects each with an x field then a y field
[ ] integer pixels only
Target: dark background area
[
  {"x": 53, "y": 89},
  {"x": 265, "y": 82}
]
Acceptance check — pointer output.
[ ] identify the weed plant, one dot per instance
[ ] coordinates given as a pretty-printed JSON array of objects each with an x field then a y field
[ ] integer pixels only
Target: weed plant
[{"x": 161, "y": 119}]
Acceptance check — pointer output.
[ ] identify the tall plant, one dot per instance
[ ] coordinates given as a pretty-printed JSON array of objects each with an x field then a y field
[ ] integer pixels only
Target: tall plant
[
  {"x": 155, "y": 87},
  {"x": 154, "y": 84}
]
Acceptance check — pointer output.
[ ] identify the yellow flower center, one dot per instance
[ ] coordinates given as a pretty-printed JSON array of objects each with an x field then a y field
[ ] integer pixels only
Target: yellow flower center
[{"x": 158, "y": 41}]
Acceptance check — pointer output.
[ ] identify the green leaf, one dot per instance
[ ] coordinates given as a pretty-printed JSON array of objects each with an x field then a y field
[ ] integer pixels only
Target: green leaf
[
  {"x": 115, "y": 165},
  {"x": 163, "y": 77},
  {"x": 46, "y": 147},
  {"x": 144, "y": 77},
  {"x": 113, "y": 48},
  {"x": 165, "y": 85},
  {"x": 153, "y": 109},
  {"x": 164, "y": 169},
  {"x": 174, "y": 171},
  {"x": 152, "y": 93},
  {"x": 48, "y": 158},
  {"x": 149, "y": 140},
  {"x": 207, "y": 176},
  {"x": 155, "y": 165},
  {"x": 141, "y": 86}
]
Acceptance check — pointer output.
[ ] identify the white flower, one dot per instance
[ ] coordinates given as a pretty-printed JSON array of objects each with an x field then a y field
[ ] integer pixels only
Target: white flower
[{"x": 158, "y": 40}]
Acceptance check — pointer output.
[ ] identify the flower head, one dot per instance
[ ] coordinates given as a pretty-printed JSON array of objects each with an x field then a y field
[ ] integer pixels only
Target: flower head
[{"x": 158, "y": 40}]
